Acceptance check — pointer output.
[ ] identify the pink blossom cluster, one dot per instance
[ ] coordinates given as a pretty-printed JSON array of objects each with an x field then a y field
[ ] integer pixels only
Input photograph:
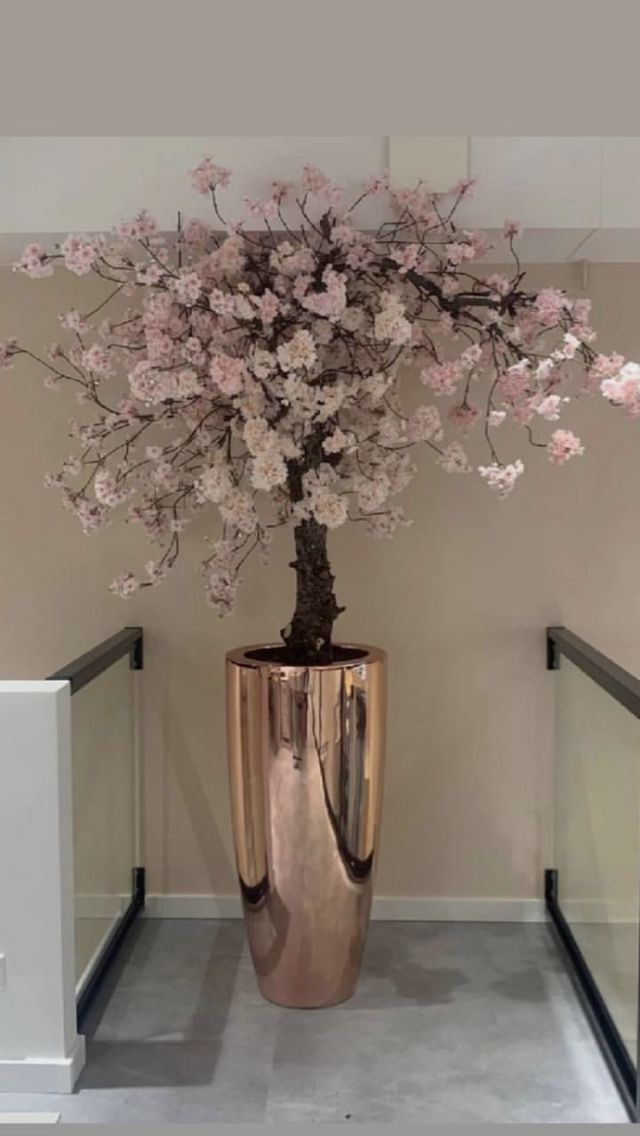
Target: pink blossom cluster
[
  {"x": 208, "y": 176},
  {"x": 564, "y": 445},
  {"x": 34, "y": 262},
  {"x": 81, "y": 253},
  {"x": 316, "y": 182},
  {"x": 502, "y": 478},
  {"x": 264, "y": 372}
]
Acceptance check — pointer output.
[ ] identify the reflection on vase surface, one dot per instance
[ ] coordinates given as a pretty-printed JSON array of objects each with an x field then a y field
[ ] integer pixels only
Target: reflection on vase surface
[{"x": 306, "y": 751}]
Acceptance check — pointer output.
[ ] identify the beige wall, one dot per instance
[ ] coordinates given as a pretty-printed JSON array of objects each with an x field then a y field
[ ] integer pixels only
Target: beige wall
[{"x": 460, "y": 601}]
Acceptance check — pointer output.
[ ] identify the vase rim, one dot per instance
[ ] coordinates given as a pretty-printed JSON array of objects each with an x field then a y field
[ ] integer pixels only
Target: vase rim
[{"x": 241, "y": 656}]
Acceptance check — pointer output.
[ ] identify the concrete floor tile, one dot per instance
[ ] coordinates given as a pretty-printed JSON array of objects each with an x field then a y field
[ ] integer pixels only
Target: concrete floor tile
[{"x": 457, "y": 1022}]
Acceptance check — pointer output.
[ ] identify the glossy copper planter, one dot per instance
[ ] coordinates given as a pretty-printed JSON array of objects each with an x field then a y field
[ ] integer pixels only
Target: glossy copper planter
[{"x": 306, "y": 754}]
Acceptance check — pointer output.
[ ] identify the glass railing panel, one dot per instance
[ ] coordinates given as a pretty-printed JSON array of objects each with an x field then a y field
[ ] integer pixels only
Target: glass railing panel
[
  {"x": 103, "y": 735},
  {"x": 597, "y": 853}
]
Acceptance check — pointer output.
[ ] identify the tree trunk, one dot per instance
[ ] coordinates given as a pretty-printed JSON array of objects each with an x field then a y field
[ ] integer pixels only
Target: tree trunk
[{"x": 308, "y": 637}]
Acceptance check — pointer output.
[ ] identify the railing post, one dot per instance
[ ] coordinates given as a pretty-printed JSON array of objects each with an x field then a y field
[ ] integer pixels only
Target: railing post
[
  {"x": 550, "y": 885},
  {"x": 136, "y": 654},
  {"x": 40, "y": 1049},
  {"x": 553, "y": 654}
]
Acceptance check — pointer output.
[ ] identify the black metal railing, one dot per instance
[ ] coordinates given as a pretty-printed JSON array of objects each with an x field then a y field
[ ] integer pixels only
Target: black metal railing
[
  {"x": 625, "y": 689},
  {"x": 620, "y": 684},
  {"x": 129, "y": 641},
  {"x": 78, "y": 673},
  {"x": 110, "y": 949}
]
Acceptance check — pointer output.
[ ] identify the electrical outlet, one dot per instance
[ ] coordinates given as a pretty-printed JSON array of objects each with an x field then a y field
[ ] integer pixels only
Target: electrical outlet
[{"x": 3, "y": 971}]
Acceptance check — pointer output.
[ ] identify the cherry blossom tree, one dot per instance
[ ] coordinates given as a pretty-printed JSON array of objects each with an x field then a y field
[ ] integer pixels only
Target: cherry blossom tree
[{"x": 263, "y": 363}]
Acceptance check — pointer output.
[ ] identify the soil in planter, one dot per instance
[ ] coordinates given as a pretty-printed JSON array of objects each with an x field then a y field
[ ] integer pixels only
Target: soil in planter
[{"x": 287, "y": 658}]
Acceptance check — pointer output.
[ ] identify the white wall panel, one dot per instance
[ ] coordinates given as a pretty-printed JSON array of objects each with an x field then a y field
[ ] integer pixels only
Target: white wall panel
[
  {"x": 542, "y": 182},
  {"x": 621, "y": 183},
  {"x": 570, "y": 186},
  {"x": 439, "y": 162},
  {"x": 60, "y": 184}
]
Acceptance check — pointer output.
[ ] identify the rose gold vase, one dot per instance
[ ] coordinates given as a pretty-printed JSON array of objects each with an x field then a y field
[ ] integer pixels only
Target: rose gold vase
[{"x": 306, "y": 753}]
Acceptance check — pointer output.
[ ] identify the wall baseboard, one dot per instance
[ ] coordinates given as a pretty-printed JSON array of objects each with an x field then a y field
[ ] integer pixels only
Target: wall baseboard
[
  {"x": 401, "y": 908},
  {"x": 29, "y": 1117},
  {"x": 601, "y": 911},
  {"x": 42, "y": 1075}
]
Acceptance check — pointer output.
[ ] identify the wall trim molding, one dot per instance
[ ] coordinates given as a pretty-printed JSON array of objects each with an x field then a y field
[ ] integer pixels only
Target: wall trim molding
[
  {"x": 42, "y": 1075},
  {"x": 600, "y": 910},
  {"x": 29, "y": 1117},
  {"x": 402, "y": 908}
]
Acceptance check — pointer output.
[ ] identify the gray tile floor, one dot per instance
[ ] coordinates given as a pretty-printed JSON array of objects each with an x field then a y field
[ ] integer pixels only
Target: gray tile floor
[{"x": 463, "y": 1022}]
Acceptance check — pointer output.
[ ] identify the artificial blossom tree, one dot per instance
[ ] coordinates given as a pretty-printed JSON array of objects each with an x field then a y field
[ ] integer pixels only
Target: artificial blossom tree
[{"x": 263, "y": 362}]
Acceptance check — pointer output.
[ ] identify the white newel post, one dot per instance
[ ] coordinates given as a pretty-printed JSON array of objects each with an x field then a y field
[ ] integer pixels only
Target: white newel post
[{"x": 40, "y": 1049}]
